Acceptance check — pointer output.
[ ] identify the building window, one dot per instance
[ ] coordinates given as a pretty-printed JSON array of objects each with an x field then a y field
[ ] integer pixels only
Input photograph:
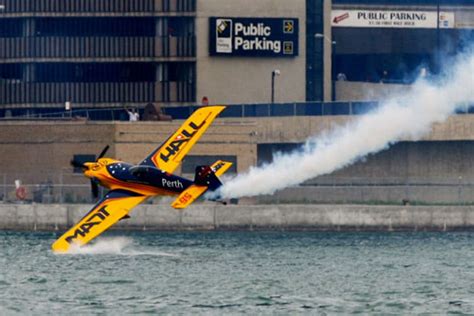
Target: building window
[
  {"x": 104, "y": 26},
  {"x": 267, "y": 152},
  {"x": 95, "y": 72}
]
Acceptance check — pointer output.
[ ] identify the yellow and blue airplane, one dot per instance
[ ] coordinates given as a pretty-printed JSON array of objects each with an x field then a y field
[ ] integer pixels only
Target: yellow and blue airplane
[{"x": 131, "y": 184}]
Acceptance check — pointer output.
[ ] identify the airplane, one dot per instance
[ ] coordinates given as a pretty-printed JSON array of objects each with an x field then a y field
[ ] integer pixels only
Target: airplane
[{"x": 131, "y": 184}]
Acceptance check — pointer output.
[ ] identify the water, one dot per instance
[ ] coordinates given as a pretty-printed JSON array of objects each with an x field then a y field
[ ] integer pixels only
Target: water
[{"x": 240, "y": 272}]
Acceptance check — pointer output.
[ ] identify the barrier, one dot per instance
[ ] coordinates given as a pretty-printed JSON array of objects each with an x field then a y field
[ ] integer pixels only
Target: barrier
[
  {"x": 183, "y": 112},
  {"x": 57, "y": 217}
]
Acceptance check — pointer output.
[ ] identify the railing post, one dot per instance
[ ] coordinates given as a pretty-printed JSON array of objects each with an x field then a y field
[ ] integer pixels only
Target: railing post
[
  {"x": 407, "y": 189},
  {"x": 61, "y": 200},
  {"x": 460, "y": 190},
  {"x": 4, "y": 187}
]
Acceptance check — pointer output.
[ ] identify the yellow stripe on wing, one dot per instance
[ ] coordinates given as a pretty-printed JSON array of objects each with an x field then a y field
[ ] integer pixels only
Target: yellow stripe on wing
[
  {"x": 113, "y": 207},
  {"x": 169, "y": 155}
]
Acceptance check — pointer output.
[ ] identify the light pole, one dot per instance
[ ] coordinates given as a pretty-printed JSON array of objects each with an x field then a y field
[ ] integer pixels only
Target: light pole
[
  {"x": 438, "y": 46},
  {"x": 333, "y": 66},
  {"x": 275, "y": 72}
]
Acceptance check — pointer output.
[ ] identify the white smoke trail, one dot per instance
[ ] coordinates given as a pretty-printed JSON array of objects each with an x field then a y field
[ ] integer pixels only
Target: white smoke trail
[
  {"x": 105, "y": 245},
  {"x": 410, "y": 115},
  {"x": 114, "y": 246}
]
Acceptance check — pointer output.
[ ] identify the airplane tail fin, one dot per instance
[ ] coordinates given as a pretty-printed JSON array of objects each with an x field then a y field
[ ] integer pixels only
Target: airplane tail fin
[{"x": 206, "y": 178}]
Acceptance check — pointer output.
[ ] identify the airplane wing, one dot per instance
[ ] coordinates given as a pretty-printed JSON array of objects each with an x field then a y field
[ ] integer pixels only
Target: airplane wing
[
  {"x": 109, "y": 210},
  {"x": 169, "y": 155}
]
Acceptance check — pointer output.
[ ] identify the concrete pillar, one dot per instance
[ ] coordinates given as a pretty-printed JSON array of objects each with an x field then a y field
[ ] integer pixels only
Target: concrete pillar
[
  {"x": 159, "y": 27},
  {"x": 158, "y": 72},
  {"x": 28, "y": 74},
  {"x": 328, "y": 47},
  {"x": 29, "y": 27}
]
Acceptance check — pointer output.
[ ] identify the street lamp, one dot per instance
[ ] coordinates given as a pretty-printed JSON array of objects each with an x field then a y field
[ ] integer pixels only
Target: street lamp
[
  {"x": 333, "y": 64},
  {"x": 320, "y": 35},
  {"x": 438, "y": 43},
  {"x": 275, "y": 72}
]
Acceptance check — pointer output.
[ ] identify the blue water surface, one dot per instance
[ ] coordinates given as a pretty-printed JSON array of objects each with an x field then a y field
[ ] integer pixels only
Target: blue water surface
[{"x": 240, "y": 272}]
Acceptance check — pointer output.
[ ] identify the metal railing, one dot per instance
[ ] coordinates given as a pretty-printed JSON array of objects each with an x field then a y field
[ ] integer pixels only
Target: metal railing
[
  {"x": 67, "y": 187},
  {"x": 61, "y": 187},
  {"x": 107, "y": 114},
  {"x": 117, "y": 113}
]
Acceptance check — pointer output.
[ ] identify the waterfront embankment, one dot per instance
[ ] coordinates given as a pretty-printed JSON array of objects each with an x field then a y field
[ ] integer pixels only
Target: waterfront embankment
[{"x": 51, "y": 217}]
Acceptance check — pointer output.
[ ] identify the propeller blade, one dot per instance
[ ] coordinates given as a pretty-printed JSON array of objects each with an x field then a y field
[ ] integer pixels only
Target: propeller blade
[
  {"x": 77, "y": 164},
  {"x": 94, "y": 189},
  {"x": 103, "y": 152}
]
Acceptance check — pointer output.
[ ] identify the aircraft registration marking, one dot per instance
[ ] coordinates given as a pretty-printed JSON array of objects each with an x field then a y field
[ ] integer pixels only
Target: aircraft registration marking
[{"x": 95, "y": 219}]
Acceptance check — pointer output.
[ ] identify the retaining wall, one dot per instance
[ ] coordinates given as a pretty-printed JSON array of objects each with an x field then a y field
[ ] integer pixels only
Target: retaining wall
[
  {"x": 373, "y": 194},
  {"x": 250, "y": 217}
]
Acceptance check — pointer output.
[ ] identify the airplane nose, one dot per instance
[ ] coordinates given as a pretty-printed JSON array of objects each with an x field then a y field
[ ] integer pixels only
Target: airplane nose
[{"x": 87, "y": 169}]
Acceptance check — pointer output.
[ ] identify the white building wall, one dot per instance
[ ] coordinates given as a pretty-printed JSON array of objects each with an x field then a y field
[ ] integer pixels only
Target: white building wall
[{"x": 230, "y": 80}]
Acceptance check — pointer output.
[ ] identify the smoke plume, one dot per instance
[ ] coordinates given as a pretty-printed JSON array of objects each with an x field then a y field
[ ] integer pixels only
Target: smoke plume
[{"x": 407, "y": 116}]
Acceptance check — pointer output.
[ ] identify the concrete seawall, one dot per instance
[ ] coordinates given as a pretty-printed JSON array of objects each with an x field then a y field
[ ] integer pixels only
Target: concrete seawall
[{"x": 250, "y": 217}]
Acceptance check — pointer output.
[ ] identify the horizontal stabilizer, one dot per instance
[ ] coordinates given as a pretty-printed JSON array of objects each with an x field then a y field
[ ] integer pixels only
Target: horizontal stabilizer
[
  {"x": 220, "y": 166},
  {"x": 188, "y": 196},
  {"x": 205, "y": 179}
]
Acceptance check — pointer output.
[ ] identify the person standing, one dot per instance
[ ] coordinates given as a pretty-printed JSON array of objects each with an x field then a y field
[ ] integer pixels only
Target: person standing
[
  {"x": 136, "y": 115},
  {"x": 133, "y": 115}
]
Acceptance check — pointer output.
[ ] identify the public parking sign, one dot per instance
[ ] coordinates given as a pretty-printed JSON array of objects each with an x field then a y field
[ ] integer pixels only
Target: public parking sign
[{"x": 266, "y": 37}]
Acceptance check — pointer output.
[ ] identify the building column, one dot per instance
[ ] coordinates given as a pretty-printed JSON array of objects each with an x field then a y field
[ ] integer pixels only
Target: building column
[
  {"x": 29, "y": 27},
  {"x": 318, "y": 50},
  {"x": 28, "y": 74},
  {"x": 328, "y": 58},
  {"x": 314, "y": 51},
  {"x": 159, "y": 27}
]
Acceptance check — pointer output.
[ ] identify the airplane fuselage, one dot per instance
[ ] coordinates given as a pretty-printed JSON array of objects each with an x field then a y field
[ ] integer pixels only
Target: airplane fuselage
[
  {"x": 114, "y": 174},
  {"x": 129, "y": 185}
]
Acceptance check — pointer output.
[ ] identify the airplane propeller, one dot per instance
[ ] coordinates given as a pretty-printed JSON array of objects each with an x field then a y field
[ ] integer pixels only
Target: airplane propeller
[
  {"x": 102, "y": 153},
  {"x": 77, "y": 164},
  {"x": 94, "y": 185},
  {"x": 94, "y": 189}
]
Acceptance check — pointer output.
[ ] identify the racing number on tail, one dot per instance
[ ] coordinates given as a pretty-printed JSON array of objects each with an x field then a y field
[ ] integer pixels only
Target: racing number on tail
[{"x": 185, "y": 198}]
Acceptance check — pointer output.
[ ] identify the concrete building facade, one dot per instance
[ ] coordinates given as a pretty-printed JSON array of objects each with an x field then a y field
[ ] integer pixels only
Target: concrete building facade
[
  {"x": 95, "y": 53},
  {"x": 37, "y": 153},
  {"x": 129, "y": 53},
  {"x": 384, "y": 46},
  {"x": 237, "y": 79}
]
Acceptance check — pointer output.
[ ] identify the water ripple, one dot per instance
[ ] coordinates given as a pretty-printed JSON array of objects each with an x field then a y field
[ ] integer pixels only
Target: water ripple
[{"x": 238, "y": 272}]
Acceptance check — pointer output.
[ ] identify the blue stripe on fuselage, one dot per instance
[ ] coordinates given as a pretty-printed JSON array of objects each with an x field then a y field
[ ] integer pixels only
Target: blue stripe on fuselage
[{"x": 153, "y": 177}]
